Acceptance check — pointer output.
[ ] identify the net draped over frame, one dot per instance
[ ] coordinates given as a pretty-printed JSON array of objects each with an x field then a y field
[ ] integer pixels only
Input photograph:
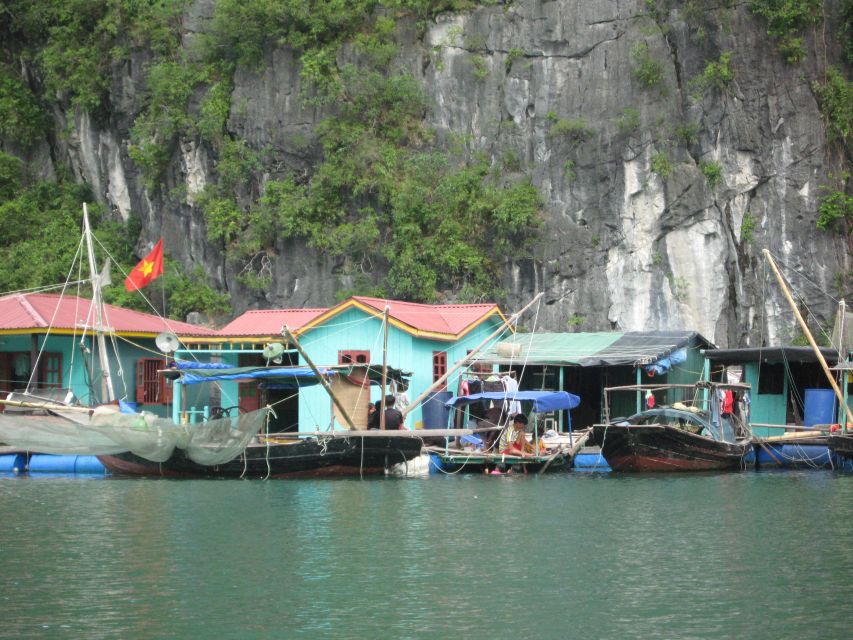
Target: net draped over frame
[{"x": 143, "y": 434}]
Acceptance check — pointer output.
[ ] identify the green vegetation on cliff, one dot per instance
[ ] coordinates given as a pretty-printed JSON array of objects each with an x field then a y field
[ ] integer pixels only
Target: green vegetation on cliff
[{"x": 397, "y": 212}]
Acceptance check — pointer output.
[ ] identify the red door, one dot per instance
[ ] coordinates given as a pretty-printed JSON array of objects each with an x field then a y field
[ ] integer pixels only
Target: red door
[{"x": 248, "y": 394}]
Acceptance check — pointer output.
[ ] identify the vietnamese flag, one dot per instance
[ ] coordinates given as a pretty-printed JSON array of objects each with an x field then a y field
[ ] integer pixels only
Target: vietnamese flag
[{"x": 146, "y": 271}]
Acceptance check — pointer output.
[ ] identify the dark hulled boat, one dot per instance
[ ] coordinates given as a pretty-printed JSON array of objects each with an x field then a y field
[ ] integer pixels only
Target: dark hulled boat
[
  {"x": 691, "y": 434},
  {"x": 841, "y": 444},
  {"x": 338, "y": 454},
  {"x": 666, "y": 448}
]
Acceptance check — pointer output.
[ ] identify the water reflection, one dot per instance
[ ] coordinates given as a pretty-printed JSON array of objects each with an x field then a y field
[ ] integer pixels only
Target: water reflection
[{"x": 548, "y": 557}]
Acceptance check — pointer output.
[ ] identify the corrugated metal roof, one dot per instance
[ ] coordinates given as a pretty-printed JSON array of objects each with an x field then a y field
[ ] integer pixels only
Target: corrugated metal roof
[
  {"x": 450, "y": 319},
  {"x": 771, "y": 355},
  {"x": 588, "y": 349},
  {"x": 43, "y": 310},
  {"x": 268, "y": 322}
]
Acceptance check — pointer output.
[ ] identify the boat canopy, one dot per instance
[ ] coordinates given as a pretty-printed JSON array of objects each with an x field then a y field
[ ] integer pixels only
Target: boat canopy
[
  {"x": 286, "y": 377},
  {"x": 543, "y": 401}
]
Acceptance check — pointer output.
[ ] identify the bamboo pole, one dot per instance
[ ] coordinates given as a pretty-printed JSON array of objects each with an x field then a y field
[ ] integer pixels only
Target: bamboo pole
[
  {"x": 384, "y": 367},
  {"x": 49, "y": 407},
  {"x": 292, "y": 339},
  {"x": 513, "y": 318},
  {"x": 107, "y": 392},
  {"x": 809, "y": 337}
]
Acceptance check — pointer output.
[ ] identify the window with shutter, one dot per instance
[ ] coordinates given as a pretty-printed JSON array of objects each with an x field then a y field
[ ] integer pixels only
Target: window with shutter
[{"x": 151, "y": 386}]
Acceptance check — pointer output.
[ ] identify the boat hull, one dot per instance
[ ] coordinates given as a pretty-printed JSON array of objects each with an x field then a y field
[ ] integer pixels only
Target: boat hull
[
  {"x": 664, "y": 448},
  {"x": 296, "y": 458},
  {"x": 484, "y": 463},
  {"x": 842, "y": 445}
]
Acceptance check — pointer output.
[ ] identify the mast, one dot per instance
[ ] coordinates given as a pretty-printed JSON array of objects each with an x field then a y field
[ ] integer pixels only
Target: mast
[
  {"x": 292, "y": 340},
  {"x": 513, "y": 318},
  {"x": 809, "y": 337},
  {"x": 107, "y": 392},
  {"x": 384, "y": 367}
]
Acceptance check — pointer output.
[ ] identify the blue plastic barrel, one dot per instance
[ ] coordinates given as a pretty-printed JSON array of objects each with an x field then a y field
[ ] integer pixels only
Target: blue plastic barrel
[
  {"x": 89, "y": 464},
  {"x": 769, "y": 455},
  {"x": 48, "y": 463},
  {"x": 590, "y": 462},
  {"x": 807, "y": 454},
  {"x": 434, "y": 414},
  {"x": 819, "y": 407},
  {"x": 13, "y": 463}
]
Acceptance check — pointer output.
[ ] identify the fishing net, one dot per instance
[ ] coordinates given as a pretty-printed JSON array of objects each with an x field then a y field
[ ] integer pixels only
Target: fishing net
[{"x": 144, "y": 434}]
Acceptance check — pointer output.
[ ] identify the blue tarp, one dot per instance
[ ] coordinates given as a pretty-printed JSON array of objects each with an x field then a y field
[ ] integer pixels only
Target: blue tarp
[
  {"x": 282, "y": 377},
  {"x": 665, "y": 364},
  {"x": 542, "y": 400},
  {"x": 192, "y": 364}
]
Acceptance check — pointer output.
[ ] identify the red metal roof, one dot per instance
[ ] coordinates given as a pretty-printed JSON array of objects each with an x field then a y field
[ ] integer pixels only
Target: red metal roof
[
  {"x": 43, "y": 310},
  {"x": 268, "y": 322},
  {"x": 445, "y": 321},
  {"x": 449, "y": 319}
]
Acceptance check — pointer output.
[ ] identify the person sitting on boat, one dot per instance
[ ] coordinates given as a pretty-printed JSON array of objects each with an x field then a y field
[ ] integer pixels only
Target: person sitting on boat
[
  {"x": 393, "y": 417},
  {"x": 514, "y": 440}
]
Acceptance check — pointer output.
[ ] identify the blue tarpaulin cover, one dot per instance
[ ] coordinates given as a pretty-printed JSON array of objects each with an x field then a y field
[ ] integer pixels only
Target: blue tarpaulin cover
[
  {"x": 281, "y": 376},
  {"x": 542, "y": 400},
  {"x": 665, "y": 364},
  {"x": 192, "y": 364}
]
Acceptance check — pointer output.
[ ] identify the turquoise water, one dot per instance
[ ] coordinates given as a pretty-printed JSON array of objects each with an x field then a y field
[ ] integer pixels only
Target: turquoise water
[{"x": 758, "y": 555}]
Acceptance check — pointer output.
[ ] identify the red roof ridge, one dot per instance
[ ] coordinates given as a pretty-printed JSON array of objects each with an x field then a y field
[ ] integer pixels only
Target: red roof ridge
[
  {"x": 306, "y": 309},
  {"x": 36, "y": 316}
]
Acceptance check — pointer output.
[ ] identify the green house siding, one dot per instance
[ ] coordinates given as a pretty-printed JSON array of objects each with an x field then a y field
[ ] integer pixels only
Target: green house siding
[{"x": 765, "y": 408}]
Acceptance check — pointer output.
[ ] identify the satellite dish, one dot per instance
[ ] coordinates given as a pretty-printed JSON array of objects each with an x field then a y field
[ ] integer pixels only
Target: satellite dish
[
  {"x": 273, "y": 351},
  {"x": 167, "y": 342}
]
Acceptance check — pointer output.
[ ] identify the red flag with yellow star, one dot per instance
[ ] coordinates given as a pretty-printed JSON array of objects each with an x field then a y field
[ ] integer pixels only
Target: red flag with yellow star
[{"x": 146, "y": 271}]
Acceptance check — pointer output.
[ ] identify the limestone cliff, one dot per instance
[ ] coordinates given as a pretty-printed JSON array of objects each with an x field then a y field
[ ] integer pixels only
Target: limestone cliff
[{"x": 661, "y": 181}]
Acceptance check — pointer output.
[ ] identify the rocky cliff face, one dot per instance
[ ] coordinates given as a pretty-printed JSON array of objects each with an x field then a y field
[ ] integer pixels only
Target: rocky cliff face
[{"x": 660, "y": 190}]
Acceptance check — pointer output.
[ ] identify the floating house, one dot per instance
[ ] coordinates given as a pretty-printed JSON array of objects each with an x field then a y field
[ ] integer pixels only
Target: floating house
[
  {"x": 586, "y": 363},
  {"x": 789, "y": 386},
  {"x": 422, "y": 340},
  {"x": 47, "y": 345}
]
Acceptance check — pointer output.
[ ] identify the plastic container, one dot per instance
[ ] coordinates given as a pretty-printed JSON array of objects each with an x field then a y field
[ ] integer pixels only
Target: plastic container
[
  {"x": 13, "y": 463},
  {"x": 819, "y": 407},
  {"x": 590, "y": 462},
  {"x": 434, "y": 414},
  {"x": 89, "y": 465},
  {"x": 769, "y": 455},
  {"x": 807, "y": 454},
  {"x": 128, "y": 407},
  {"x": 47, "y": 463}
]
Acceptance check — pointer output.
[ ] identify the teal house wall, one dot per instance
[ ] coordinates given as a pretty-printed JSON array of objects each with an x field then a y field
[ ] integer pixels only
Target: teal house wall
[
  {"x": 781, "y": 378},
  {"x": 53, "y": 334},
  {"x": 765, "y": 408},
  {"x": 357, "y": 330},
  {"x": 75, "y": 364}
]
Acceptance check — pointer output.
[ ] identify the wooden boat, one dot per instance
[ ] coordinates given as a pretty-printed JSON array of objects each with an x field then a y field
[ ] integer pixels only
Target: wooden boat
[
  {"x": 478, "y": 457},
  {"x": 689, "y": 434},
  {"x": 841, "y": 444},
  {"x": 248, "y": 452},
  {"x": 327, "y": 454}
]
